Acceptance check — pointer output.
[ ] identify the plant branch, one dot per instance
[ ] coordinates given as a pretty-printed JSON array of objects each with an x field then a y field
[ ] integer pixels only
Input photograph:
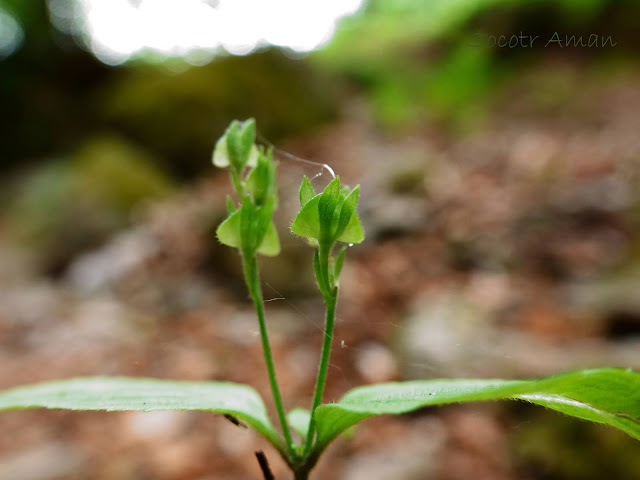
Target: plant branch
[
  {"x": 253, "y": 284},
  {"x": 330, "y": 300}
]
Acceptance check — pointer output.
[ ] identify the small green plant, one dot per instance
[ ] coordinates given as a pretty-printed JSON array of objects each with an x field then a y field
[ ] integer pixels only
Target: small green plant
[{"x": 327, "y": 219}]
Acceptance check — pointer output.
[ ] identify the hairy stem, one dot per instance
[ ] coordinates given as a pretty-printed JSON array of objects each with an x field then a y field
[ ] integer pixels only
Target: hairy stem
[
  {"x": 253, "y": 283},
  {"x": 330, "y": 300}
]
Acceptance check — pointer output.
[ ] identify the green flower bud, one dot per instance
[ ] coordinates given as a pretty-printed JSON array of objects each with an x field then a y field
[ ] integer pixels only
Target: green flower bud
[
  {"x": 248, "y": 227},
  {"x": 236, "y": 148},
  {"x": 330, "y": 216},
  {"x": 261, "y": 181}
]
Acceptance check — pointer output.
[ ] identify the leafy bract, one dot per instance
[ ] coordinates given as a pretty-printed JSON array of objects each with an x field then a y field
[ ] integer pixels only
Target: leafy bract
[
  {"x": 609, "y": 395},
  {"x": 337, "y": 267},
  {"x": 306, "y": 191},
  {"x": 307, "y": 222},
  {"x": 347, "y": 211},
  {"x": 329, "y": 216},
  {"x": 229, "y": 233},
  {"x": 328, "y": 207},
  {"x": 270, "y": 245},
  {"x": 261, "y": 180},
  {"x": 354, "y": 232},
  {"x": 121, "y": 394}
]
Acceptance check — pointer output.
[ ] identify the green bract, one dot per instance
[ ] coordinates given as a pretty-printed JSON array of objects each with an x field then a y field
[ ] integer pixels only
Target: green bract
[
  {"x": 330, "y": 216},
  {"x": 251, "y": 229}
]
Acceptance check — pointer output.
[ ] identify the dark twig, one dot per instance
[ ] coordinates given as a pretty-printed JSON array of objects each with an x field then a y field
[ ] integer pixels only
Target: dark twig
[
  {"x": 264, "y": 465},
  {"x": 235, "y": 421}
]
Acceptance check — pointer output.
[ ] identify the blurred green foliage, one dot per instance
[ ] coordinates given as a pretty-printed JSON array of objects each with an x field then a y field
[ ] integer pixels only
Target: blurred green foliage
[{"x": 416, "y": 60}]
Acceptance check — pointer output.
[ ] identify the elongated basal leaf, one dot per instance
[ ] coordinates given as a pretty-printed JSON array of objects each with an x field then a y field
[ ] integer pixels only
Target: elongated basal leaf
[
  {"x": 609, "y": 395},
  {"x": 120, "y": 394}
]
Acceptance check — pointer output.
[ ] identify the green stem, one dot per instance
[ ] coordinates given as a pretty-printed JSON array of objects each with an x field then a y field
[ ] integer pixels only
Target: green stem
[
  {"x": 253, "y": 284},
  {"x": 330, "y": 300},
  {"x": 237, "y": 183},
  {"x": 324, "y": 251},
  {"x": 302, "y": 474}
]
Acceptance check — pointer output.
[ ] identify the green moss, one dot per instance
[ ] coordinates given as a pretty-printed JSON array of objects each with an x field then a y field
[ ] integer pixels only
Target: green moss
[{"x": 118, "y": 175}]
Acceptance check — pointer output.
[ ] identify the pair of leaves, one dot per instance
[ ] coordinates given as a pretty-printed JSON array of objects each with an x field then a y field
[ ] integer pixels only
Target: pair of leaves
[
  {"x": 609, "y": 395},
  {"x": 251, "y": 229},
  {"x": 330, "y": 216}
]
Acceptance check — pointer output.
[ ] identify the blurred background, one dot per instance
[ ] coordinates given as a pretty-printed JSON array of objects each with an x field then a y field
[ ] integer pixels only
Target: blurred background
[{"x": 498, "y": 150}]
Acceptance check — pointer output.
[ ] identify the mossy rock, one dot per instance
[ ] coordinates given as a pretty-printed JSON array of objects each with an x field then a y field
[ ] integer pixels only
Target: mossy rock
[
  {"x": 119, "y": 175},
  {"x": 179, "y": 115},
  {"x": 68, "y": 205}
]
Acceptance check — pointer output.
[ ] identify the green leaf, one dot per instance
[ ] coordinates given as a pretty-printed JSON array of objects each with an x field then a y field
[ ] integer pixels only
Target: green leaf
[
  {"x": 337, "y": 267},
  {"x": 247, "y": 137},
  {"x": 317, "y": 270},
  {"x": 254, "y": 224},
  {"x": 250, "y": 228},
  {"x": 228, "y": 232},
  {"x": 120, "y": 394},
  {"x": 234, "y": 148},
  {"x": 231, "y": 207},
  {"x": 261, "y": 181},
  {"x": 306, "y": 191},
  {"x": 609, "y": 395},
  {"x": 354, "y": 232},
  {"x": 299, "y": 419},
  {"x": 307, "y": 222},
  {"x": 263, "y": 219},
  {"x": 248, "y": 220},
  {"x": 220, "y": 157},
  {"x": 347, "y": 211},
  {"x": 270, "y": 245},
  {"x": 329, "y": 202}
]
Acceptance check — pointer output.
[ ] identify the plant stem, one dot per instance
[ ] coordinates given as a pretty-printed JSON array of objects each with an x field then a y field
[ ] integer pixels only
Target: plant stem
[
  {"x": 330, "y": 301},
  {"x": 302, "y": 474},
  {"x": 253, "y": 284},
  {"x": 237, "y": 183}
]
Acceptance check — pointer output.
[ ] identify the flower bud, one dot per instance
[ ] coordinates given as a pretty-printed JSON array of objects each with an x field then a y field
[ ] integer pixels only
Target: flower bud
[
  {"x": 330, "y": 216},
  {"x": 236, "y": 147}
]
